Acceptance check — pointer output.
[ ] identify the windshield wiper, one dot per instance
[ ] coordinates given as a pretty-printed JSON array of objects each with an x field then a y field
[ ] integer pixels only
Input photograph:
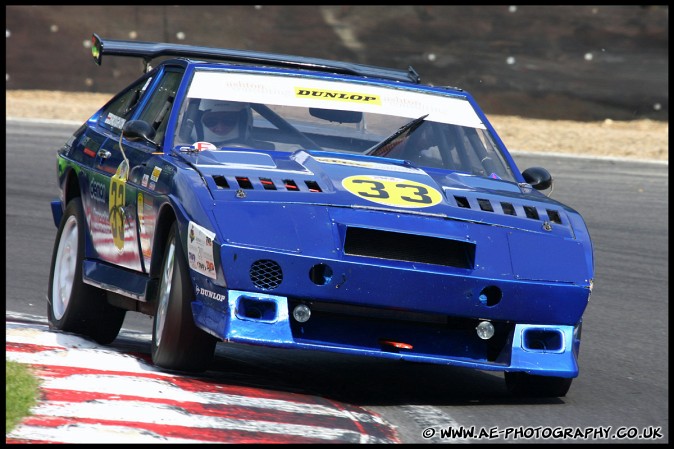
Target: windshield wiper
[{"x": 385, "y": 146}]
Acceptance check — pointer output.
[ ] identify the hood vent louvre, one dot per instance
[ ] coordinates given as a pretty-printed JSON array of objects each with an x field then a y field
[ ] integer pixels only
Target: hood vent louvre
[
  {"x": 221, "y": 182},
  {"x": 267, "y": 183},
  {"x": 313, "y": 186},
  {"x": 554, "y": 216},
  {"x": 244, "y": 182},
  {"x": 531, "y": 212},
  {"x": 290, "y": 185},
  {"x": 508, "y": 209}
]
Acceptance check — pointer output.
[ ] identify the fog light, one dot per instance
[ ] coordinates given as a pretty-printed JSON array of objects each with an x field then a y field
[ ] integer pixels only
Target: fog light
[
  {"x": 302, "y": 313},
  {"x": 485, "y": 330}
]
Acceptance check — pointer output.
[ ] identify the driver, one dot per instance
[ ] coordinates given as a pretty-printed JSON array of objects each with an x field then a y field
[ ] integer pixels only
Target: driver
[{"x": 226, "y": 121}]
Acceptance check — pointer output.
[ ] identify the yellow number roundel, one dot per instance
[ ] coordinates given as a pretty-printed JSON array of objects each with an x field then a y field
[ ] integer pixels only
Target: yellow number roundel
[{"x": 392, "y": 191}]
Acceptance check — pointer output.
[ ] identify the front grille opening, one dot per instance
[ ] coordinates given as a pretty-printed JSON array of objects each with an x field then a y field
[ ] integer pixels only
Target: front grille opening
[
  {"x": 462, "y": 201},
  {"x": 554, "y": 216},
  {"x": 265, "y": 274},
  {"x": 531, "y": 212},
  {"x": 256, "y": 309},
  {"x": 348, "y": 325},
  {"x": 543, "y": 340},
  {"x": 485, "y": 205},
  {"x": 244, "y": 182},
  {"x": 508, "y": 208},
  {"x": 221, "y": 182},
  {"x": 409, "y": 247}
]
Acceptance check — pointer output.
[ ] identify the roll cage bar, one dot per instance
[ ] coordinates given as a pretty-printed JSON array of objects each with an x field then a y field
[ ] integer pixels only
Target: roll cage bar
[{"x": 151, "y": 50}]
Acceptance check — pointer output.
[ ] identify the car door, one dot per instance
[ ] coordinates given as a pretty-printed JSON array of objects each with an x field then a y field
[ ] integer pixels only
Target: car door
[{"x": 112, "y": 211}]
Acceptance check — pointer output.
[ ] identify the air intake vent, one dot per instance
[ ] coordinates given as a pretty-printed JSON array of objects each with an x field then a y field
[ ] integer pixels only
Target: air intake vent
[
  {"x": 265, "y": 274},
  {"x": 290, "y": 185},
  {"x": 485, "y": 205},
  {"x": 531, "y": 212},
  {"x": 409, "y": 247},
  {"x": 267, "y": 183},
  {"x": 313, "y": 186},
  {"x": 554, "y": 216},
  {"x": 244, "y": 182},
  {"x": 508, "y": 208},
  {"x": 221, "y": 182},
  {"x": 462, "y": 201}
]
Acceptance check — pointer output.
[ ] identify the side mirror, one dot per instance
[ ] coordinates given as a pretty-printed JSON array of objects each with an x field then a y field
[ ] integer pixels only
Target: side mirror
[
  {"x": 538, "y": 177},
  {"x": 139, "y": 130},
  {"x": 96, "y": 49}
]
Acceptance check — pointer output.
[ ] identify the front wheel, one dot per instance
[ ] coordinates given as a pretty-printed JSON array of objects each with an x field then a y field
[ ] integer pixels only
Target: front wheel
[
  {"x": 177, "y": 343},
  {"x": 74, "y": 306},
  {"x": 523, "y": 384}
]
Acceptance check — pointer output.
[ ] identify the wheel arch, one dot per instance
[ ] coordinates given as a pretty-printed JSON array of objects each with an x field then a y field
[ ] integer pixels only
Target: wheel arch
[
  {"x": 71, "y": 187},
  {"x": 165, "y": 219}
]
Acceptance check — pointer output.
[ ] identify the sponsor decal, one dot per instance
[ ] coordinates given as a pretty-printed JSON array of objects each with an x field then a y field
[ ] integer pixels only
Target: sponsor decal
[
  {"x": 155, "y": 174},
  {"x": 392, "y": 191},
  {"x": 200, "y": 250},
  {"x": 257, "y": 88},
  {"x": 325, "y": 94},
  {"x": 89, "y": 152},
  {"x": 114, "y": 120},
  {"x": 145, "y": 179},
  {"x": 201, "y": 146},
  {"x": 97, "y": 191},
  {"x": 211, "y": 294}
]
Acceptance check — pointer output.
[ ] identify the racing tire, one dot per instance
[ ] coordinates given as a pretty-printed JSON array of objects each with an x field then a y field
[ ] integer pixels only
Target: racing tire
[
  {"x": 528, "y": 385},
  {"x": 177, "y": 343},
  {"x": 72, "y": 305}
]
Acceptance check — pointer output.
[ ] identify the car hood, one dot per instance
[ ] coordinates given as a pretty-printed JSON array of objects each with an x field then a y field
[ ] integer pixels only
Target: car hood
[{"x": 373, "y": 183}]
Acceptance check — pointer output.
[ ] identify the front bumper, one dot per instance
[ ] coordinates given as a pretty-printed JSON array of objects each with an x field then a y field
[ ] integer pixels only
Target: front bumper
[{"x": 263, "y": 319}]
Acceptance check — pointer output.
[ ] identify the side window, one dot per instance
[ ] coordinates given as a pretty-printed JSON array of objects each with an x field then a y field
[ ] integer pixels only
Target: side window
[
  {"x": 120, "y": 110},
  {"x": 157, "y": 110}
]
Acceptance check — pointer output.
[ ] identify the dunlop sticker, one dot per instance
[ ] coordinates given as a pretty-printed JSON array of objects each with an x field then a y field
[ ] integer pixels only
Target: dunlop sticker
[
  {"x": 337, "y": 96},
  {"x": 392, "y": 191}
]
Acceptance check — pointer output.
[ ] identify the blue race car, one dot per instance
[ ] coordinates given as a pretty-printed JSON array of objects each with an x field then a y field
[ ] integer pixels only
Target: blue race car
[{"x": 295, "y": 202}]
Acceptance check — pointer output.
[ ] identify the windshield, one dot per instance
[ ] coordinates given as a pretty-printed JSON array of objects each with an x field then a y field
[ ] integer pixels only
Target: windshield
[{"x": 282, "y": 113}]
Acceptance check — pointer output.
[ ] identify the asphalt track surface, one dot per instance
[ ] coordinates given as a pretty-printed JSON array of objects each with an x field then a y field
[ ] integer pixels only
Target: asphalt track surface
[{"x": 621, "y": 395}]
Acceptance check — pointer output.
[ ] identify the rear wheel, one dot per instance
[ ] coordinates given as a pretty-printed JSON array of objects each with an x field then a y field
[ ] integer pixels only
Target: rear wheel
[
  {"x": 74, "y": 306},
  {"x": 523, "y": 384},
  {"x": 177, "y": 343}
]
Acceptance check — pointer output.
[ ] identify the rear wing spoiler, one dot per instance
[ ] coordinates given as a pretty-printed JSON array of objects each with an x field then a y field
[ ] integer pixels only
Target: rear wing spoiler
[{"x": 151, "y": 50}]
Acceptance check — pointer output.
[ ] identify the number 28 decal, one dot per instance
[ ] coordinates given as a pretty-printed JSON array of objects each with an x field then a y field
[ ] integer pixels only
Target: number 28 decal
[{"x": 392, "y": 191}]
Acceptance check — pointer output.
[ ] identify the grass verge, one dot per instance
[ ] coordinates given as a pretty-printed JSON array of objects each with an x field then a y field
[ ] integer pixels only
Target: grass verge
[{"x": 21, "y": 388}]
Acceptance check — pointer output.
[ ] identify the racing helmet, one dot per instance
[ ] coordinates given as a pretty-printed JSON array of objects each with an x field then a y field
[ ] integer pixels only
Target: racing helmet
[{"x": 224, "y": 121}]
